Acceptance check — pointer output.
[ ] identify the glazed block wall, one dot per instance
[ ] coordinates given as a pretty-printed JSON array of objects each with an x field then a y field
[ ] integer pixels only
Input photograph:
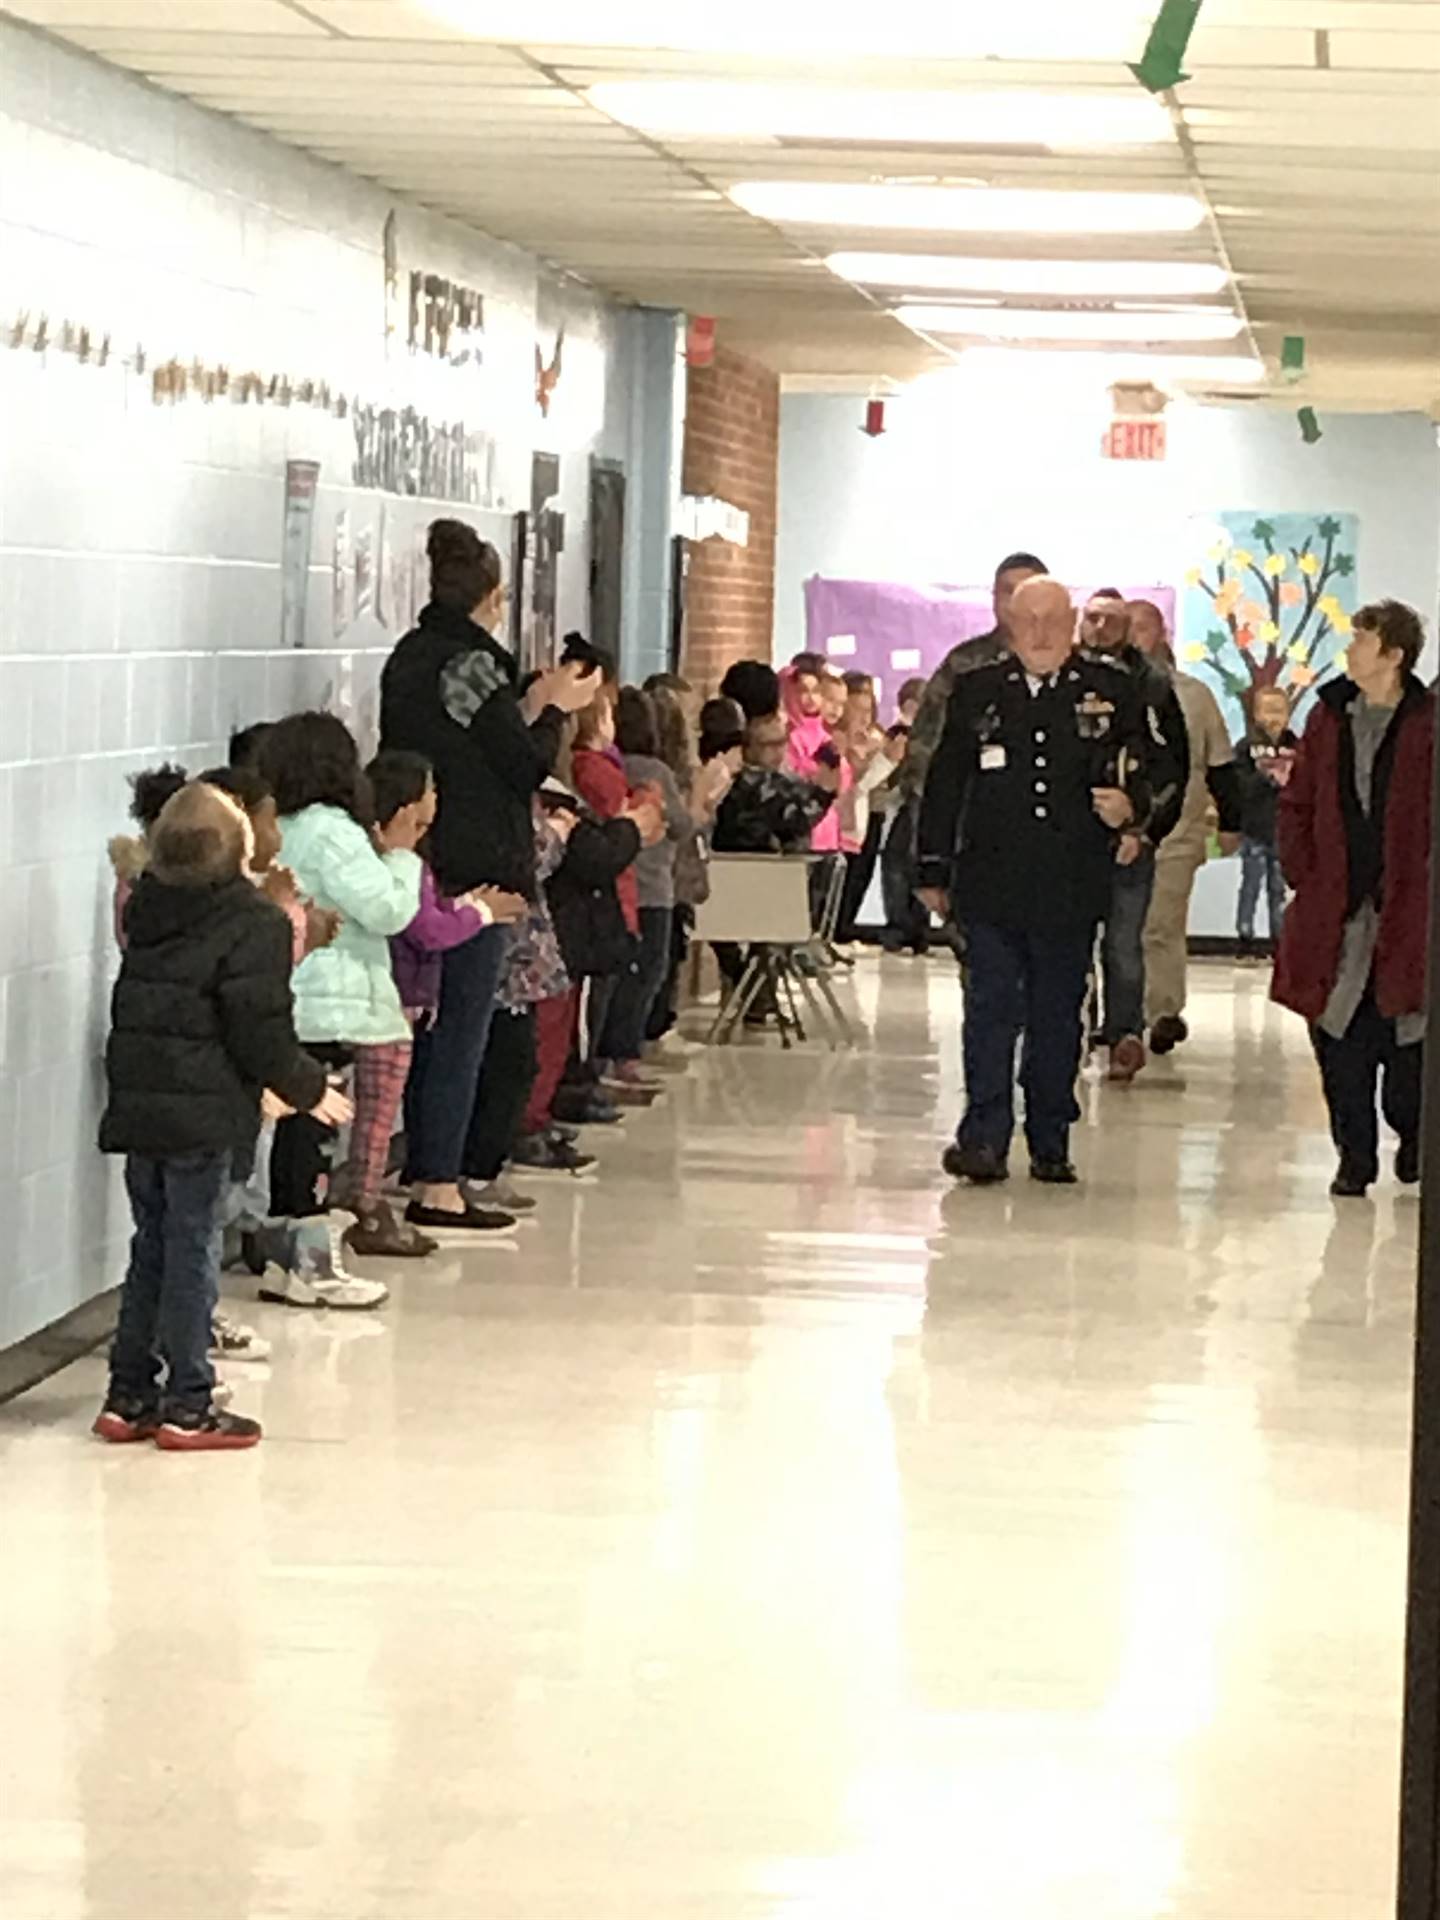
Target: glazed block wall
[{"x": 140, "y": 543}]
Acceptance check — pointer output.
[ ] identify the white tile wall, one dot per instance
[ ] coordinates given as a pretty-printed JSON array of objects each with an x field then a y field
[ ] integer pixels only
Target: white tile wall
[{"x": 139, "y": 545}]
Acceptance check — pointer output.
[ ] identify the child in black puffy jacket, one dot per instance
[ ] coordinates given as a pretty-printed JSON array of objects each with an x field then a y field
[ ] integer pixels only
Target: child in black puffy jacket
[{"x": 201, "y": 1025}]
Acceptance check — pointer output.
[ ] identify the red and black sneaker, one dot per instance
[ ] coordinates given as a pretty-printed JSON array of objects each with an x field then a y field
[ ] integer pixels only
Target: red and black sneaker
[
  {"x": 123, "y": 1422},
  {"x": 206, "y": 1431}
]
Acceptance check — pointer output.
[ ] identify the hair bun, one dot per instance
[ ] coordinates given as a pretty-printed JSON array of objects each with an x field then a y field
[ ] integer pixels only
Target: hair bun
[{"x": 450, "y": 540}]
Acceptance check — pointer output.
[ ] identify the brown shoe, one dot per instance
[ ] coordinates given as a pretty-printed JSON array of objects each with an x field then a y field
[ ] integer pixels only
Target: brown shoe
[
  {"x": 1127, "y": 1057},
  {"x": 379, "y": 1235}
]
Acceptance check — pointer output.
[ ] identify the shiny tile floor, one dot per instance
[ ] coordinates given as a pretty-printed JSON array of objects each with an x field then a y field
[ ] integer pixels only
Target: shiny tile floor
[{"x": 771, "y": 1532}]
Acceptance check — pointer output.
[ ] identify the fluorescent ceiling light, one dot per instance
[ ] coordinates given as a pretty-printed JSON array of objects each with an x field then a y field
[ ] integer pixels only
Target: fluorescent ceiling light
[
  {"x": 736, "y": 110},
  {"x": 1048, "y": 30},
  {"x": 1081, "y": 279},
  {"x": 1026, "y": 364},
  {"x": 1059, "y": 323},
  {"x": 926, "y": 209}
]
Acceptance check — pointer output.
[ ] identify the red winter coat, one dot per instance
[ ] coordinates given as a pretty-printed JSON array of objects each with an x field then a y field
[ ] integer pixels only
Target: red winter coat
[
  {"x": 1326, "y": 846},
  {"x": 600, "y": 782}
]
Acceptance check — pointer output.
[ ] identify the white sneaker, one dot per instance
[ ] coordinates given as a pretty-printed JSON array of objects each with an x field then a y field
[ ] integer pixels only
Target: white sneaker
[
  {"x": 233, "y": 1340},
  {"x": 315, "y": 1274}
]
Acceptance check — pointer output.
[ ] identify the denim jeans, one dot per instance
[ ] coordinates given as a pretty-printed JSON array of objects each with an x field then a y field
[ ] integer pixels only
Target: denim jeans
[
  {"x": 623, "y": 1034},
  {"x": 173, "y": 1280},
  {"x": 1123, "y": 958},
  {"x": 1259, "y": 867},
  {"x": 1032, "y": 982},
  {"x": 445, "y": 1070}
]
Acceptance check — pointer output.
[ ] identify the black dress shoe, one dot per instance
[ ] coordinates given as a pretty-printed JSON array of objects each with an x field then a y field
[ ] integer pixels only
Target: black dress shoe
[
  {"x": 1407, "y": 1163},
  {"x": 1168, "y": 1032},
  {"x": 1054, "y": 1173},
  {"x": 981, "y": 1166},
  {"x": 1350, "y": 1183}
]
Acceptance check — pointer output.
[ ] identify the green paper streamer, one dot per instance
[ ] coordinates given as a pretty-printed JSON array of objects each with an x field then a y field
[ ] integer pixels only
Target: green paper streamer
[
  {"x": 1162, "y": 65},
  {"x": 1309, "y": 426}
]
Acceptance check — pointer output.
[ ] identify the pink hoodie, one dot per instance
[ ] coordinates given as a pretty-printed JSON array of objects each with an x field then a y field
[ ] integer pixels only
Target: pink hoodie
[{"x": 808, "y": 734}]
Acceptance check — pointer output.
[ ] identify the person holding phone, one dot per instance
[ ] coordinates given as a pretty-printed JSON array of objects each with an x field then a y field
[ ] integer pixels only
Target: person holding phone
[{"x": 450, "y": 691}]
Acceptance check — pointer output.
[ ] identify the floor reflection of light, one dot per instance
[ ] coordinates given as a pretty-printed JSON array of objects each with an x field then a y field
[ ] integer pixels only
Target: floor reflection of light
[{"x": 999, "y": 1817}]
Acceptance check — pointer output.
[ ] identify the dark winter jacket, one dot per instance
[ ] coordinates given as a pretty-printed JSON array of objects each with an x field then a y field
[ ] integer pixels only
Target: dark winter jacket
[
  {"x": 1167, "y": 755},
  {"x": 584, "y": 904},
  {"x": 769, "y": 811},
  {"x": 1263, "y": 765},
  {"x": 449, "y": 691},
  {"x": 201, "y": 1022},
  {"x": 1336, "y": 856}
]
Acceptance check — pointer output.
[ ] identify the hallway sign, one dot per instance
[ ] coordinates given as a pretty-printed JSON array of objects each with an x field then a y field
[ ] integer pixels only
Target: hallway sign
[{"x": 1134, "y": 440}]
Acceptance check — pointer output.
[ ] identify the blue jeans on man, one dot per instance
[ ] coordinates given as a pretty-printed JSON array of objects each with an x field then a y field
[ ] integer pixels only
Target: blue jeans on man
[
  {"x": 1030, "y": 981},
  {"x": 173, "y": 1282},
  {"x": 1122, "y": 971}
]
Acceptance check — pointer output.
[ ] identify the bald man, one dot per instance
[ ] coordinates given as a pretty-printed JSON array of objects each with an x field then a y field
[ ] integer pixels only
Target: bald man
[{"x": 1041, "y": 765}]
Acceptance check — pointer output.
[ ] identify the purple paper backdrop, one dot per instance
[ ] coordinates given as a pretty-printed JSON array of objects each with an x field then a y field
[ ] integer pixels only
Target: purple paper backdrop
[{"x": 894, "y": 633}]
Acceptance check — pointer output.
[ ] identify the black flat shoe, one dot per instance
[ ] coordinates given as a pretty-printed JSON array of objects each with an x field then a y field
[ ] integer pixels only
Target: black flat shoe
[
  {"x": 1349, "y": 1184},
  {"x": 1168, "y": 1032},
  {"x": 981, "y": 1166},
  {"x": 1054, "y": 1173}
]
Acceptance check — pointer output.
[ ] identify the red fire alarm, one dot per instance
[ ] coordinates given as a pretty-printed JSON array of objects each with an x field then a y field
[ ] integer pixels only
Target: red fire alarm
[
  {"x": 874, "y": 418},
  {"x": 700, "y": 340}
]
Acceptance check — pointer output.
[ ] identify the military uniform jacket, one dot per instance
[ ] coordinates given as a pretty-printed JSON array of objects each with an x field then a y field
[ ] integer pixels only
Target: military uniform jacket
[{"x": 1008, "y": 823}]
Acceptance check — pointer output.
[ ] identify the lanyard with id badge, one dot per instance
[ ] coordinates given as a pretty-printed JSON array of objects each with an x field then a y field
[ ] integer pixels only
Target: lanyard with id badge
[{"x": 988, "y": 728}]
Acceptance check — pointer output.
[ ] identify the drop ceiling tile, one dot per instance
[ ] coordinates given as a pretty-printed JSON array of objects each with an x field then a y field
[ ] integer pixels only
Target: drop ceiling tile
[
  {"x": 201, "y": 16},
  {"x": 1397, "y": 52}
]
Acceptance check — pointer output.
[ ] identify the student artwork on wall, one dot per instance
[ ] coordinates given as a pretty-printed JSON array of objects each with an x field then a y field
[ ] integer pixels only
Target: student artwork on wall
[{"x": 1269, "y": 604}]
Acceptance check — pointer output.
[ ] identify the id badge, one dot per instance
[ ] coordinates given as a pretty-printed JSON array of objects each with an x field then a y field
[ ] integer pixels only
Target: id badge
[{"x": 992, "y": 759}]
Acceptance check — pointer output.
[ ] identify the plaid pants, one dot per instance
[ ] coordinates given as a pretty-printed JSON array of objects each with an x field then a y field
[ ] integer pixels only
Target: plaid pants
[{"x": 380, "y": 1076}]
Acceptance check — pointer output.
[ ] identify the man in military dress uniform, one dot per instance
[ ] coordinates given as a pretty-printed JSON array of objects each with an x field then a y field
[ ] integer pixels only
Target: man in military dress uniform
[{"x": 1043, "y": 761}]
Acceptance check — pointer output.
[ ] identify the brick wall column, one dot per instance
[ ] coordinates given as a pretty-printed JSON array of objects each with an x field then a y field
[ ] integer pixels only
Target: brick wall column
[{"x": 732, "y": 448}]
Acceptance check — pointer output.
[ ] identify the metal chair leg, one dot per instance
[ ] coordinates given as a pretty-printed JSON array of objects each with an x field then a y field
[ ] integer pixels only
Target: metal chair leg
[{"x": 738, "y": 1005}]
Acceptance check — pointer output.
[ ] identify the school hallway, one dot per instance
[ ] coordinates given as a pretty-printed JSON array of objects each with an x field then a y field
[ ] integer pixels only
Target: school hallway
[{"x": 769, "y": 1531}]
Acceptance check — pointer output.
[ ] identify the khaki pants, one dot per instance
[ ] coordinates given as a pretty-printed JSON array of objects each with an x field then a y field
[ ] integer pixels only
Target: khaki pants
[{"x": 1166, "y": 925}]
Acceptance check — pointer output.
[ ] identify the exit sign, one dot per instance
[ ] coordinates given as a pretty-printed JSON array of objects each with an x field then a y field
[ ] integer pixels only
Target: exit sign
[{"x": 1134, "y": 440}]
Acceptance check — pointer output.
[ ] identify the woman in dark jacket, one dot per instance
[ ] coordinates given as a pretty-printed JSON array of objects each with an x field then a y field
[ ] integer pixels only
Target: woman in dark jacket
[
  {"x": 449, "y": 692},
  {"x": 1354, "y": 828}
]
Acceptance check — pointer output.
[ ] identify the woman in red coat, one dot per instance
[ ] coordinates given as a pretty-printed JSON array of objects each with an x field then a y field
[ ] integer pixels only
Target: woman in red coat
[{"x": 1354, "y": 832}]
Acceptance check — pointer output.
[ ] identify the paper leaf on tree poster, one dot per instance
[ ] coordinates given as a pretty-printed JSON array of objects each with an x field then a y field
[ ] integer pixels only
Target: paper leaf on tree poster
[{"x": 1268, "y": 600}]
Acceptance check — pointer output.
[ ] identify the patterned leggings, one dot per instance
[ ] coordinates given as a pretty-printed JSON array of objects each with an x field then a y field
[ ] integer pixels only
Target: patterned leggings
[{"x": 380, "y": 1076}]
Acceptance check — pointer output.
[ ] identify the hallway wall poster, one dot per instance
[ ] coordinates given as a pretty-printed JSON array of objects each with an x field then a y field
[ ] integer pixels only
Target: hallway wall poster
[
  {"x": 894, "y": 632},
  {"x": 1268, "y": 602}
]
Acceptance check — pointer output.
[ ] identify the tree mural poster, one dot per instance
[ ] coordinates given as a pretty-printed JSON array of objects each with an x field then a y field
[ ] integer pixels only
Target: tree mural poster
[{"x": 1269, "y": 605}]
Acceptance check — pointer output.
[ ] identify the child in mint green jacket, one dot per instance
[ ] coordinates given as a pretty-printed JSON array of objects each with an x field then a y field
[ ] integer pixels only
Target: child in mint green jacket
[{"x": 345, "y": 997}]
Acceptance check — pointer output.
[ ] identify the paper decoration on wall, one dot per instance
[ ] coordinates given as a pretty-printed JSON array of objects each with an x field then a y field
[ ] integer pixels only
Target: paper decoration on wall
[
  {"x": 547, "y": 375},
  {"x": 386, "y": 606},
  {"x": 302, "y": 477},
  {"x": 881, "y": 620},
  {"x": 340, "y": 575},
  {"x": 397, "y": 450},
  {"x": 1269, "y": 604},
  {"x": 446, "y": 320},
  {"x": 364, "y": 572}
]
